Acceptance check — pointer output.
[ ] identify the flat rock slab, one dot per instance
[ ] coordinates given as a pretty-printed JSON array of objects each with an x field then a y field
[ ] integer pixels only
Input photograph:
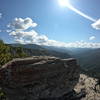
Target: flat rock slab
[{"x": 39, "y": 77}]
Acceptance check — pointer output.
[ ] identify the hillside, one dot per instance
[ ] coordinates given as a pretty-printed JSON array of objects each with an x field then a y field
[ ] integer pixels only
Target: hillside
[
  {"x": 88, "y": 58},
  {"x": 36, "y": 50},
  {"x": 90, "y": 61},
  {"x": 10, "y": 51}
]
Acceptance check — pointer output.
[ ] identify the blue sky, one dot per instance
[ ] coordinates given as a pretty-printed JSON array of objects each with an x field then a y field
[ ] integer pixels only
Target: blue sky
[{"x": 56, "y": 22}]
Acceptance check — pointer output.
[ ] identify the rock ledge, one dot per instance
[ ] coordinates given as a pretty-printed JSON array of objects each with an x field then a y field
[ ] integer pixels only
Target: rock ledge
[{"x": 39, "y": 77}]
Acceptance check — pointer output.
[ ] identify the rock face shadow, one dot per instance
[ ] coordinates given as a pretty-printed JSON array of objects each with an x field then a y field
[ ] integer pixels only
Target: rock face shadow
[{"x": 40, "y": 78}]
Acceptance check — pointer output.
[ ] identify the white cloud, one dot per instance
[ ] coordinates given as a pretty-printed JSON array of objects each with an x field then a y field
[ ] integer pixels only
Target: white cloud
[
  {"x": 22, "y": 24},
  {"x": 96, "y": 25},
  {"x": 19, "y": 30},
  {"x": 0, "y": 30},
  {"x": 92, "y": 38},
  {"x": 0, "y": 15},
  {"x": 77, "y": 44},
  {"x": 29, "y": 37},
  {"x": 8, "y": 31}
]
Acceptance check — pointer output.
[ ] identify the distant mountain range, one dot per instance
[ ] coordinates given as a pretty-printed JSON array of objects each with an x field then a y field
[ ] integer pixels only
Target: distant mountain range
[
  {"x": 90, "y": 61},
  {"x": 88, "y": 58},
  {"x": 37, "y": 50}
]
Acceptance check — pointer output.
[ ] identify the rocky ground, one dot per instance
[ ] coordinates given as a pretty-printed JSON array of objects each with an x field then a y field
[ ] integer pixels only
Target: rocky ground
[
  {"x": 90, "y": 86},
  {"x": 47, "y": 78}
]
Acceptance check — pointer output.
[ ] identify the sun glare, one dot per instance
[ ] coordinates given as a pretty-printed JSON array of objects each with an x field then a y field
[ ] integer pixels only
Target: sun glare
[{"x": 64, "y": 3}]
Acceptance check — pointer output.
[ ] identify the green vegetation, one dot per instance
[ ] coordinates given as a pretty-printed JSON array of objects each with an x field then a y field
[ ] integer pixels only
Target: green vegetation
[
  {"x": 7, "y": 53},
  {"x": 10, "y": 51}
]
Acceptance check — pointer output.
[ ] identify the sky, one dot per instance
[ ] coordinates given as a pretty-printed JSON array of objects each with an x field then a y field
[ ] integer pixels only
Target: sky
[{"x": 46, "y": 22}]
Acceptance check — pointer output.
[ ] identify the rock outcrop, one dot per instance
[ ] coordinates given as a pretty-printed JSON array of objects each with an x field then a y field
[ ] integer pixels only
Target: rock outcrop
[
  {"x": 90, "y": 86},
  {"x": 39, "y": 78},
  {"x": 47, "y": 78}
]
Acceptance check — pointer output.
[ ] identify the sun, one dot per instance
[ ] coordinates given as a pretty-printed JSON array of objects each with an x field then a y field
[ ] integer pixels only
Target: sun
[{"x": 64, "y": 3}]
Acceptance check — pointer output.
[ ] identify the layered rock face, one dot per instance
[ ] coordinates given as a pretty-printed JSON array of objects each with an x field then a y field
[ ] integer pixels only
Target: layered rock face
[{"x": 39, "y": 78}]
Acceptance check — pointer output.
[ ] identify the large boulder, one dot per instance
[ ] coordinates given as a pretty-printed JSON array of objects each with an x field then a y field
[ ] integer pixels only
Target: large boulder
[{"x": 39, "y": 77}]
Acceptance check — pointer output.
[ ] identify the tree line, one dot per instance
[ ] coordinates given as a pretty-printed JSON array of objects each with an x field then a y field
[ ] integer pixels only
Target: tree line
[{"x": 7, "y": 53}]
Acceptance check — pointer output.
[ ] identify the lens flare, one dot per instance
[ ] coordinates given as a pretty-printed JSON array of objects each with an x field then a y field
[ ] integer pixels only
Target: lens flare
[{"x": 64, "y": 3}]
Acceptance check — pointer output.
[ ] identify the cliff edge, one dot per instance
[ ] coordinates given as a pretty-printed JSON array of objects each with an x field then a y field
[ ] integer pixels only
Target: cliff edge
[{"x": 45, "y": 78}]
